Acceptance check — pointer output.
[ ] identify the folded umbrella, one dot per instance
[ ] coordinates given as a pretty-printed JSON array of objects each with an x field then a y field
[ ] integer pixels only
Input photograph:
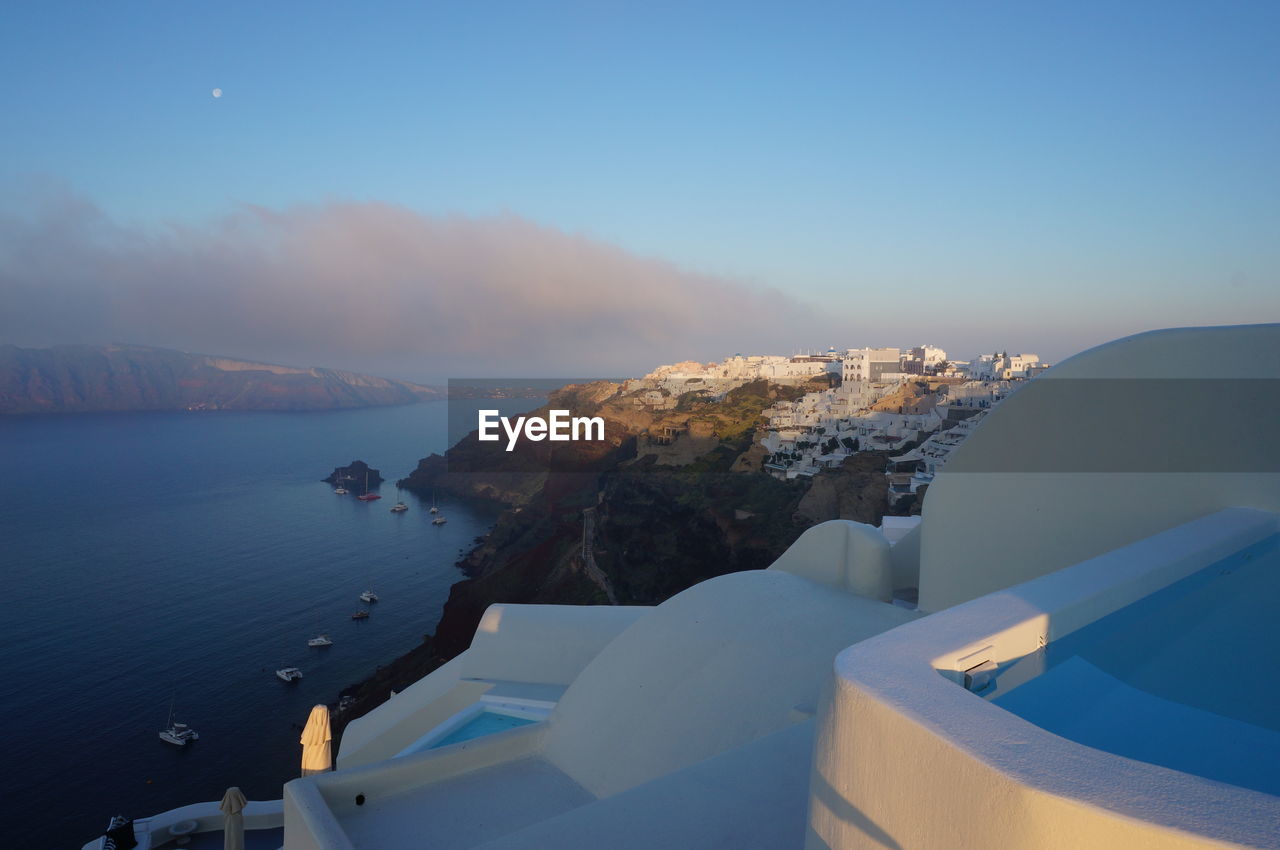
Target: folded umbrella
[
  {"x": 316, "y": 749},
  {"x": 232, "y": 805}
]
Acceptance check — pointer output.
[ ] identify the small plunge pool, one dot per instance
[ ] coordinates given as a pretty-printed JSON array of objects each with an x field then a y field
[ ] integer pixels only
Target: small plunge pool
[
  {"x": 485, "y": 723},
  {"x": 487, "y": 716}
]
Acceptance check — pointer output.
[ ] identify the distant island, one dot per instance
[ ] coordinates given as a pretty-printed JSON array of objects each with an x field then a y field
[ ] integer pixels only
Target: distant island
[{"x": 85, "y": 378}]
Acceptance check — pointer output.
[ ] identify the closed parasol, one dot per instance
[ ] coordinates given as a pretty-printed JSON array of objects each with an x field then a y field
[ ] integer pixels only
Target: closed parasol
[
  {"x": 232, "y": 805},
  {"x": 316, "y": 753}
]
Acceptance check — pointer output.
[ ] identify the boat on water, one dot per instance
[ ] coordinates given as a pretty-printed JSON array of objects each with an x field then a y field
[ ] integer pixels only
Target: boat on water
[
  {"x": 360, "y": 615},
  {"x": 320, "y": 640},
  {"x": 341, "y": 491},
  {"x": 368, "y": 596},
  {"x": 289, "y": 674},
  {"x": 399, "y": 508},
  {"x": 434, "y": 509},
  {"x": 439, "y": 520},
  {"x": 179, "y": 734},
  {"x": 366, "y": 496}
]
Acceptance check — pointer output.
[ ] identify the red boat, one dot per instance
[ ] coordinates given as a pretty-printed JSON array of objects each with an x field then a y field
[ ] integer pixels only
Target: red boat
[{"x": 366, "y": 496}]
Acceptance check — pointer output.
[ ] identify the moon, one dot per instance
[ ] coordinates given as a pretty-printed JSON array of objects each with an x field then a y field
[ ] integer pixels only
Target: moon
[{"x": 217, "y": 92}]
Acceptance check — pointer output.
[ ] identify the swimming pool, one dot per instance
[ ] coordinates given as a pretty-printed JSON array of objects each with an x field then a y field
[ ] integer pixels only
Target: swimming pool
[
  {"x": 1184, "y": 678},
  {"x": 487, "y": 716},
  {"x": 485, "y": 723}
]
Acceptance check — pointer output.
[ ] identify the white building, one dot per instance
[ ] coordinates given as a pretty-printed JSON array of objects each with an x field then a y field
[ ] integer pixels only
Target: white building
[
  {"x": 1005, "y": 367},
  {"x": 923, "y": 359},
  {"x": 868, "y": 364}
]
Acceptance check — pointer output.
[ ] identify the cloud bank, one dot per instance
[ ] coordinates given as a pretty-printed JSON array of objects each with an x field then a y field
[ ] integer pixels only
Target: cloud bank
[{"x": 376, "y": 287}]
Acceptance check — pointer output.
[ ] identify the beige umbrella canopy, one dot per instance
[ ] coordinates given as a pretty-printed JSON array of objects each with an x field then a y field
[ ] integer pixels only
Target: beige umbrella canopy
[
  {"x": 316, "y": 755},
  {"x": 232, "y": 806}
]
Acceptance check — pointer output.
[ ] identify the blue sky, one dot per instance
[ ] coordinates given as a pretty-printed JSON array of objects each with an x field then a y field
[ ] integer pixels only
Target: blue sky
[{"x": 1048, "y": 173}]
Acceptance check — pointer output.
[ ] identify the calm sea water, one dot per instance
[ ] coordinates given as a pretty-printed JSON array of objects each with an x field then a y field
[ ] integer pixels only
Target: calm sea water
[{"x": 144, "y": 556}]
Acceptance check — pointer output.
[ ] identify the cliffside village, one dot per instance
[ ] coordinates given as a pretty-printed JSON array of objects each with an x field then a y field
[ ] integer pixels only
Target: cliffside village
[{"x": 914, "y": 403}]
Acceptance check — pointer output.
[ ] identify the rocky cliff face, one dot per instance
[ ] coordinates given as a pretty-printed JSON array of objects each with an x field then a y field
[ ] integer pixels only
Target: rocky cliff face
[
  {"x": 80, "y": 378},
  {"x": 858, "y": 490}
]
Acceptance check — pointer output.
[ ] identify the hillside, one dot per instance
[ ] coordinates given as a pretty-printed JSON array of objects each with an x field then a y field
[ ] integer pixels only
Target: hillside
[{"x": 82, "y": 378}]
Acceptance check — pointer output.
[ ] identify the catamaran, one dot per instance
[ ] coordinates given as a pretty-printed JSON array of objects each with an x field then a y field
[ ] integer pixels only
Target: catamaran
[
  {"x": 178, "y": 733},
  {"x": 368, "y": 596},
  {"x": 289, "y": 674}
]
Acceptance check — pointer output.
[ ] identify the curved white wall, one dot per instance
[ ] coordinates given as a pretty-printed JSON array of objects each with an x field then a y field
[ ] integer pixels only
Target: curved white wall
[
  {"x": 1018, "y": 499},
  {"x": 715, "y": 667},
  {"x": 847, "y": 555},
  {"x": 545, "y": 644}
]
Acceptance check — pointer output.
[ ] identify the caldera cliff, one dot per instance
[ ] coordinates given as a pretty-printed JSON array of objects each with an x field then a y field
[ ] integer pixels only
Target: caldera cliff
[{"x": 84, "y": 378}]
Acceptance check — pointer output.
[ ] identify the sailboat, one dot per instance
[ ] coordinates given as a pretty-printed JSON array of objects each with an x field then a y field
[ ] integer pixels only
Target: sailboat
[
  {"x": 399, "y": 507},
  {"x": 434, "y": 509},
  {"x": 178, "y": 733},
  {"x": 368, "y": 596},
  {"x": 366, "y": 496},
  {"x": 439, "y": 520}
]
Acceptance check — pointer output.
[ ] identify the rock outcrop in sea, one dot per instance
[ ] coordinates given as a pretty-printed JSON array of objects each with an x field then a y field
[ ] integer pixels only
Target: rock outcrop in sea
[{"x": 353, "y": 475}]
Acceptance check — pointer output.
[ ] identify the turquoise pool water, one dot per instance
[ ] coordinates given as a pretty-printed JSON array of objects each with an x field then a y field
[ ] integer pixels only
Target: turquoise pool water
[
  {"x": 1186, "y": 678},
  {"x": 484, "y": 723}
]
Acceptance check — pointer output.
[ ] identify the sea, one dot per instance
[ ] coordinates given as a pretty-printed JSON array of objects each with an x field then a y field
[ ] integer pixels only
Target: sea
[{"x": 158, "y": 559}]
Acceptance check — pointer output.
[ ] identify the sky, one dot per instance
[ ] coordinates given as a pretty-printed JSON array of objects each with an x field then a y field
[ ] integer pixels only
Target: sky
[{"x": 430, "y": 190}]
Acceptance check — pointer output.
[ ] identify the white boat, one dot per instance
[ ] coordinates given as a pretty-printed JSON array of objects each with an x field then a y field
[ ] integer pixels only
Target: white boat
[
  {"x": 399, "y": 508},
  {"x": 178, "y": 733},
  {"x": 341, "y": 491},
  {"x": 289, "y": 674},
  {"x": 434, "y": 509},
  {"x": 439, "y": 520},
  {"x": 368, "y": 596},
  {"x": 320, "y": 640}
]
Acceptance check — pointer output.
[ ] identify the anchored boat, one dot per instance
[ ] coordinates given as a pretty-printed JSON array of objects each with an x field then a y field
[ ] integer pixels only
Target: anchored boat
[
  {"x": 179, "y": 734},
  {"x": 366, "y": 496}
]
